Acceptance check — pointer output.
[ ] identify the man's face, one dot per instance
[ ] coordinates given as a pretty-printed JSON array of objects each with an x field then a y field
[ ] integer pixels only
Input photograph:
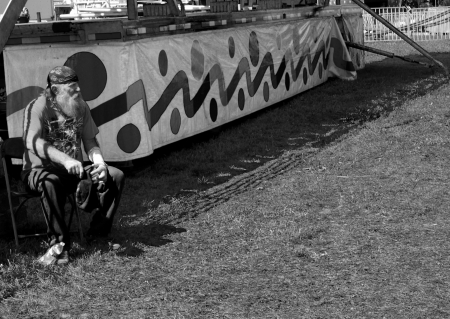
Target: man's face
[
  {"x": 69, "y": 98},
  {"x": 71, "y": 90}
]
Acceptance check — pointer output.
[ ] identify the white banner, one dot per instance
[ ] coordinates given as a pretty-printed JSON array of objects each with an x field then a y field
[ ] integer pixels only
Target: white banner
[{"x": 155, "y": 91}]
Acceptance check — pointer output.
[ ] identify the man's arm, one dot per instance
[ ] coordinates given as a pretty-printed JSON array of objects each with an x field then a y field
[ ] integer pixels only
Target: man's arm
[
  {"x": 34, "y": 143},
  {"x": 89, "y": 144},
  {"x": 45, "y": 150},
  {"x": 92, "y": 148}
]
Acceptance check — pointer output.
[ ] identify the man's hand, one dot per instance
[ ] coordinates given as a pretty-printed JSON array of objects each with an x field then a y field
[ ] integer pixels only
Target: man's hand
[
  {"x": 74, "y": 167},
  {"x": 99, "y": 173}
]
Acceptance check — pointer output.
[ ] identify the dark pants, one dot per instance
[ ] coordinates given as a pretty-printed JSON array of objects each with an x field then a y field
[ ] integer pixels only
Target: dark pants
[{"x": 55, "y": 185}]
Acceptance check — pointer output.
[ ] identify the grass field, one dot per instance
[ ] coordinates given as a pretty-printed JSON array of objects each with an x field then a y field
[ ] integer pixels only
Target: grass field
[{"x": 333, "y": 204}]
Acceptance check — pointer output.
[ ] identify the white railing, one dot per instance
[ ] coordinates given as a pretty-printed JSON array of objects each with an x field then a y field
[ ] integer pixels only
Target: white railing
[{"x": 419, "y": 24}]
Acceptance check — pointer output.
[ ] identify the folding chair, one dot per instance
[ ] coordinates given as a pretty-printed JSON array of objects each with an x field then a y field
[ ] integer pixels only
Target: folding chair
[{"x": 14, "y": 148}]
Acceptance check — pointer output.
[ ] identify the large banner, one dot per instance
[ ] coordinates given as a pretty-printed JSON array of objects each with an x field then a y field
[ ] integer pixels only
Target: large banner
[
  {"x": 353, "y": 26},
  {"x": 155, "y": 91}
]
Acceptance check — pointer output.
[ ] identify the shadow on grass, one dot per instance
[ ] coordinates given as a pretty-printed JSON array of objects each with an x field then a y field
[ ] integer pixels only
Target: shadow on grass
[
  {"x": 153, "y": 234},
  {"x": 131, "y": 238},
  {"x": 312, "y": 119}
]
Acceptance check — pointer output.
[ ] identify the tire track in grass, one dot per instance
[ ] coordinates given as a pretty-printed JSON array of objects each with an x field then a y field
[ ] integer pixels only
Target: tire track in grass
[
  {"x": 220, "y": 194},
  {"x": 204, "y": 201}
]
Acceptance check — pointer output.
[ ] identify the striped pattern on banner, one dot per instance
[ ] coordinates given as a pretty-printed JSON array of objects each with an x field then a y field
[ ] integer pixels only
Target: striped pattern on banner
[
  {"x": 244, "y": 20},
  {"x": 273, "y": 17},
  {"x": 173, "y": 27},
  {"x": 46, "y": 39},
  {"x": 293, "y": 15},
  {"x": 214, "y": 23}
]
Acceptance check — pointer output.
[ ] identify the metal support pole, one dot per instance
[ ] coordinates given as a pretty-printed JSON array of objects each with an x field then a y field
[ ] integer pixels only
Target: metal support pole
[
  {"x": 132, "y": 10},
  {"x": 401, "y": 35},
  {"x": 384, "y": 53},
  {"x": 52, "y": 9},
  {"x": 9, "y": 19}
]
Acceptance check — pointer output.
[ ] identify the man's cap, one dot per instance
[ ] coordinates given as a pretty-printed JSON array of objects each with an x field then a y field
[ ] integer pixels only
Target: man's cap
[{"x": 61, "y": 75}]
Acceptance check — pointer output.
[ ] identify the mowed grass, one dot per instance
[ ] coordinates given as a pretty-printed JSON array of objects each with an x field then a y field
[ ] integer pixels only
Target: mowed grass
[{"x": 358, "y": 229}]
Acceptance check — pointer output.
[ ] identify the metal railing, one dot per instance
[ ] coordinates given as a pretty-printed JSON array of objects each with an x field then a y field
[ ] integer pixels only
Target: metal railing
[{"x": 419, "y": 24}]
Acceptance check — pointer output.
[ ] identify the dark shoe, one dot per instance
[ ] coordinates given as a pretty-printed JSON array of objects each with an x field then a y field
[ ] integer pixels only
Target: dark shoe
[{"x": 63, "y": 259}]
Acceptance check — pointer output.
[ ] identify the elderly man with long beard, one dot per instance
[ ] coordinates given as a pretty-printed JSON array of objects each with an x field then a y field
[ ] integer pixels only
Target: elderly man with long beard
[{"x": 54, "y": 126}]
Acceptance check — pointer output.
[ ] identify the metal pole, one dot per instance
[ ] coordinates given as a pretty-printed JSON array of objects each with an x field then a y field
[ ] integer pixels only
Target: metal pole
[
  {"x": 9, "y": 19},
  {"x": 401, "y": 35},
  {"x": 384, "y": 53},
  {"x": 52, "y": 9}
]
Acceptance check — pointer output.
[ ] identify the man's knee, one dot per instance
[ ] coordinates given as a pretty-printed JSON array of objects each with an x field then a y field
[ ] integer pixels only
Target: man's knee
[
  {"x": 50, "y": 183},
  {"x": 53, "y": 183},
  {"x": 117, "y": 176}
]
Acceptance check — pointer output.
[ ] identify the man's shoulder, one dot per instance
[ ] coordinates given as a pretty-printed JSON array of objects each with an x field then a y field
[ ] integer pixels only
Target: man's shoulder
[
  {"x": 38, "y": 102},
  {"x": 37, "y": 105}
]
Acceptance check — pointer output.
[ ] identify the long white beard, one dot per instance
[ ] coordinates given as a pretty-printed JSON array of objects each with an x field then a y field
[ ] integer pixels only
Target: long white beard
[{"x": 72, "y": 107}]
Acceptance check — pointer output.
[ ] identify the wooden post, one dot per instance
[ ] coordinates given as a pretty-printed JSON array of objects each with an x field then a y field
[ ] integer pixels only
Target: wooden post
[
  {"x": 9, "y": 19},
  {"x": 132, "y": 10}
]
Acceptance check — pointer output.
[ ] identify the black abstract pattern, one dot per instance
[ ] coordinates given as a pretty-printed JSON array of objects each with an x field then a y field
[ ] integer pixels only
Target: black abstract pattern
[{"x": 65, "y": 135}]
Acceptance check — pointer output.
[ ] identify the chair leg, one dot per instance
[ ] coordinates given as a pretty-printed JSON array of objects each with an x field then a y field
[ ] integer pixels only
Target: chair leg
[
  {"x": 13, "y": 220},
  {"x": 11, "y": 208}
]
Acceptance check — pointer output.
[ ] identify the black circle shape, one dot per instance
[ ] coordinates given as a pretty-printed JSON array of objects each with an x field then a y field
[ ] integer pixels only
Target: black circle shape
[
  {"x": 241, "y": 99},
  {"x": 253, "y": 47},
  {"x": 91, "y": 73},
  {"x": 163, "y": 62},
  {"x": 231, "y": 47},
  {"x": 287, "y": 81},
  {"x": 305, "y": 76},
  {"x": 213, "y": 110},
  {"x": 175, "y": 121},
  {"x": 266, "y": 91},
  {"x": 197, "y": 60},
  {"x": 129, "y": 138}
]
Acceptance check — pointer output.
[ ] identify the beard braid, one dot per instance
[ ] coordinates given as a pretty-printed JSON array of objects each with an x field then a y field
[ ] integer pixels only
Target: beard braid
[{"x": 71, "y": 106}]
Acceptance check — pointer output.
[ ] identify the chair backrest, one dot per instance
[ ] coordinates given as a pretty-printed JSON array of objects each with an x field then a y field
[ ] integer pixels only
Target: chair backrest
[{"x": 12, "y": 147}]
